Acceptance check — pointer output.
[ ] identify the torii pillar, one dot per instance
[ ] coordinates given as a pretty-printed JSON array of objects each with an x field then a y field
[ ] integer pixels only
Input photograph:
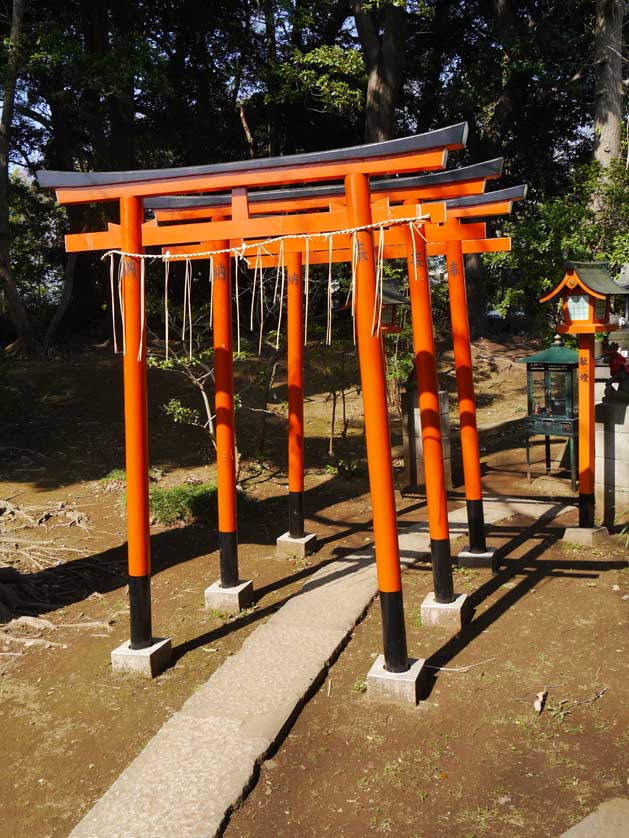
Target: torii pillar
[
  {"x": 392, "y": 673},
  {"x": 295, "y": 542},
  {"x": 228, "y": 593},
  {"x": 143, "y": 653},
  {"x": 477, "y": 553}
]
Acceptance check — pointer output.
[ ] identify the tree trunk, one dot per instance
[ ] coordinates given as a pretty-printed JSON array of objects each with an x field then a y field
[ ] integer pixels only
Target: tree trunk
[
  {"x": 14, "y": 305},
  {"x": 271, "y": 57},
  {"x": 382, "y": 34},
  {"x": 66, "y": 297},
  {"x": 608, "y": 93},
  {"x": 475, "y": 278}
]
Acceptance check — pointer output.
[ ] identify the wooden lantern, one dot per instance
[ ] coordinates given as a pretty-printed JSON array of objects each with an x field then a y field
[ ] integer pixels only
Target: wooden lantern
[
  {"x": 585, "y": 292},
  {"x": 391, "y": 301}
]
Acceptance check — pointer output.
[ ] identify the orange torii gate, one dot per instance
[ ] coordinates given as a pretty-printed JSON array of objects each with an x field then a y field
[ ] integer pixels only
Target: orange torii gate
[
  {"x": 395, "y": 244},
  {"x": 474, "y": 206},
  {"x": 354, "y": 166}
]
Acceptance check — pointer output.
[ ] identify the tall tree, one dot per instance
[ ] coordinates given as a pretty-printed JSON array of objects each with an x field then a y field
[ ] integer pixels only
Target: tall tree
[
  {"x": 381, "y": 28},
  {"x": 608, "y": 93},
  {"x": 14, "y": 305}
]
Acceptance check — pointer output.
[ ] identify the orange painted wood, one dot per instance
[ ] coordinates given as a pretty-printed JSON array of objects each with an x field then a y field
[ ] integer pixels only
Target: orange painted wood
[
  {"x": 135, "y": 395},
  {"x": 263, "y": 227},
  {"x": 470, "y": 449},
  {"x": 410, "y": 162},
  {"x": 421, "y": 193},
  {"x": 295, "y": 349},
  {"x": 224, "y": 391},
  {"x": 373, "y": 382},
  {"x": 396, "y": 251},
  {"x": 427, "y": 384},
  {"x": 586, "y": 414}
]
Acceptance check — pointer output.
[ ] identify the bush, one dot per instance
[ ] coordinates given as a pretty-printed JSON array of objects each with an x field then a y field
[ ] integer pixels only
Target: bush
[{"x": 182, "y": 503}]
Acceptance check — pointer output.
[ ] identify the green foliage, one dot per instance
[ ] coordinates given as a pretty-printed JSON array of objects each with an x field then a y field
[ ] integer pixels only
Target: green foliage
[
  {"x": 182, "y": 503},
  {"x": 589, "y": 222},
  {"x": 344, "y": 468},
  {"x": 328, "y": 78},
  {"x": 181, "y": 414},
  {"x": 116, "y": 479},
  {"x": 36, "y": 226}
]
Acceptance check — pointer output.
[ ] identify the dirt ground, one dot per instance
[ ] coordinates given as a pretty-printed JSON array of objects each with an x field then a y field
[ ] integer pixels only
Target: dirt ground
[{"x": 474, "y": 757}]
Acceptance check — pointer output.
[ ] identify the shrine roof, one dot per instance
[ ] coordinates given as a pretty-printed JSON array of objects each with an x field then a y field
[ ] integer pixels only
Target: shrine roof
[
  {"x": 451, "y": 137},
  {"x": 512, "y": 193},
  {"x": 488, "y": 169},
  {"x": 596, "y": 276},
  {"x": 553, "y": 355}
]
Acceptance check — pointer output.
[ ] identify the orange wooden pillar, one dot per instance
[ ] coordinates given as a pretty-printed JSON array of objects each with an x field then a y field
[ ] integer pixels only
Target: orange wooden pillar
[
  {"x": 586, "y": 430},
  {"x": 427, "y": 384},
  {"x": 295, "y": 396},
  {"x": 224, "y": 405},
  {"x": 372, "y": 375},
  {"x": 465, "y": 388},
  {"x": 136, "y": 427}
]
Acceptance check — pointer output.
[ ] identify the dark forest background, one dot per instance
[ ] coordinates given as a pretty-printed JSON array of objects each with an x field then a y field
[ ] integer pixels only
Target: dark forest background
[{"x": 124, "y": 84}]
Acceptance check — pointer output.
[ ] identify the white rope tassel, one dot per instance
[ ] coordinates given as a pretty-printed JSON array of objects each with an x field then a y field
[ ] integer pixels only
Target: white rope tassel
[
  {"x": 328, "y": 333},
  {"x": 113, "y": 301},
  {"x": 377, "y": 303},
  {"x": 236, "y": 258},
  {"x": 121, "y": 271},
  {"x": 211, "y": 279},
  {"x": 142, "y": 306},
  {"x": 256, "y": 268},
  {"x": 279, "y": 319},
  {"x": 261, "y": 309},
  {"x": 411, "y": 228},
  {"x": 166, "y": 314},
  {"x": 353, "y": 285},
  {"x": 280, "y": 267},
  {"x": 187, "y": 307},
  {"x": 307, "y": 283}
]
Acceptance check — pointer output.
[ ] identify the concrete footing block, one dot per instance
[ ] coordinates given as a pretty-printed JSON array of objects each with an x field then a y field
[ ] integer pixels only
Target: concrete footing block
[
  {"x": 300, "y": 547},
  {"x": 400, "y": 687},
  {"x": 585, "y": 536},
  {"x": 147, "y": 662},
  {"x": 477, "y": 558},
  {"x": 229, "y": 600},
  {"x": 452, "y": 615}
]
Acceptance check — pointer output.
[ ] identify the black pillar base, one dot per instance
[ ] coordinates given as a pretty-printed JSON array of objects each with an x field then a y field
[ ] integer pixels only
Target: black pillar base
[
  {"x": 228, "y": 547},
  {"x": 394, "y": 632},
  {"x": 586, "y": 511},
  {"x": 140, "y": 612},
  {"x": 296, "y": 514},
  {"x": 476, "y": 525},
  {"x": 442, "y": 569}
]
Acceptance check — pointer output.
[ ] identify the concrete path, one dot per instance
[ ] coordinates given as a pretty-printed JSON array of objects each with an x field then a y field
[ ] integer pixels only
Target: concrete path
[
  {"x": 204, "y": 760},
  {"x": 610, "y": 820}
]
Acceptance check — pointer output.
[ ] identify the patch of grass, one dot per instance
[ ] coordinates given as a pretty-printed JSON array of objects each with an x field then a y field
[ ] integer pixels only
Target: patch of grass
[
  {"x": 182, "y": 503},
  {"x": 215, "y": 614},
  {"x": 359, "y": 686},
  {"x": 116, "y": 479}
]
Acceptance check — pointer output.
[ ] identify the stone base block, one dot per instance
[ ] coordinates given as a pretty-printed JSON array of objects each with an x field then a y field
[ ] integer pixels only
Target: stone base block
[
  {"x": 400, "y": 687},
  {"x": 229, "y": 600},
  {"x": 476, "y": 558},
  {"x": 585, "y": 536},
  {"x": 452, "y": 615},
  {"x": 147, "y": 662},
  {"x": 300, "y": 547}
]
